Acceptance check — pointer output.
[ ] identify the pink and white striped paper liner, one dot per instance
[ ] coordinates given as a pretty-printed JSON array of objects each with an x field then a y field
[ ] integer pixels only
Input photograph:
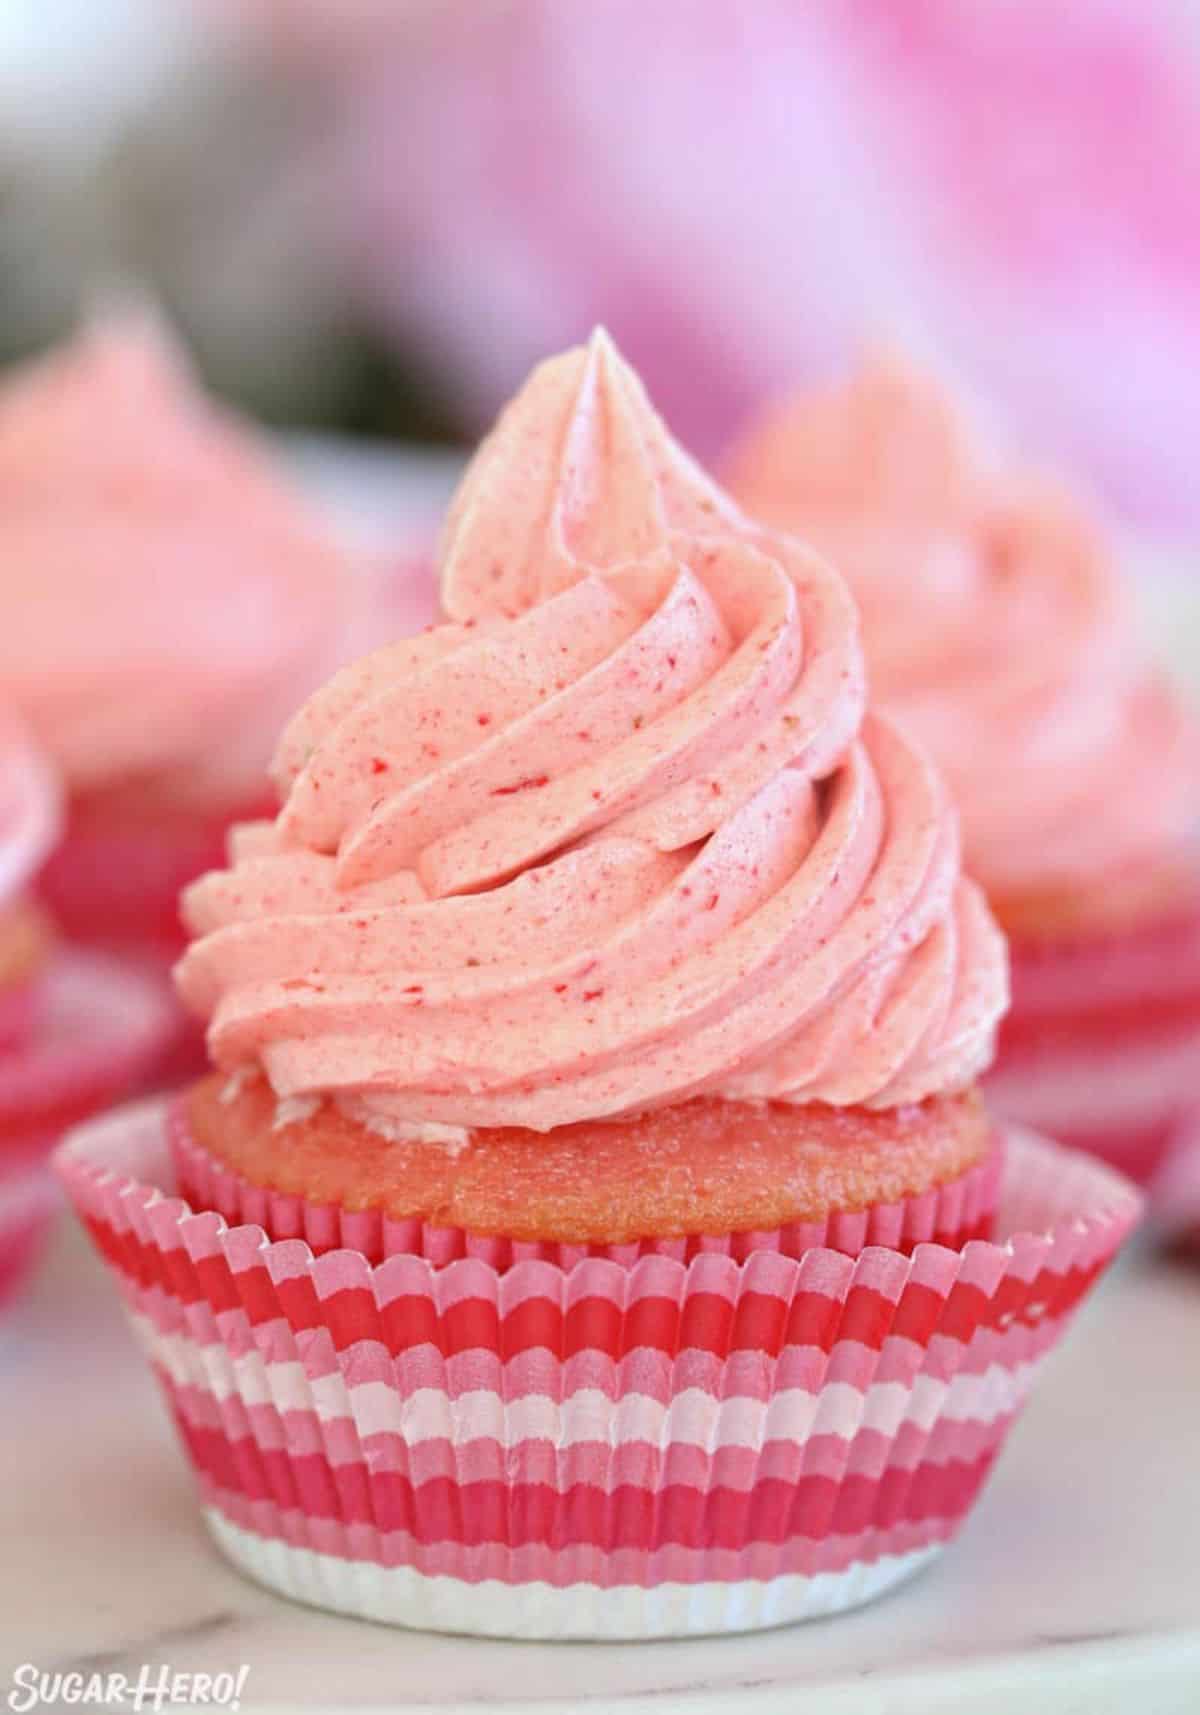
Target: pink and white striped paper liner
[
  {"x": 89, "y": 1032},
  {"x": 1155, "y": 964},
  {"x": 599, "y": 1451},
  {"x": 114, "y": 885},
  {"x": 1102, "y": 1046},
  {"x": 95, "y": 1028},
  {"x": 115, "y": 882},
  {"x": 1122, "y": 1101},
  {"x": 949, "y": 1214},
  {"x": 18, "y": 1011}
]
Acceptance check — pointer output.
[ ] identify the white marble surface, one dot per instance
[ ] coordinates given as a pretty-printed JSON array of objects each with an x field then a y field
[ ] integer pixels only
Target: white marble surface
[{"x": 1075, "y": 1589}]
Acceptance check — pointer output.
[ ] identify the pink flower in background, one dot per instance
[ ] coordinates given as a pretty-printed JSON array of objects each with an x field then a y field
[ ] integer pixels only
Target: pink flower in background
[{"x": 746, "y": 192}]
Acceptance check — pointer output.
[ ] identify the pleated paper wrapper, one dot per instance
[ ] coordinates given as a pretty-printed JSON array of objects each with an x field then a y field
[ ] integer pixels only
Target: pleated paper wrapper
[
  {"x": 73, "y": 1040},
  {"x": 1102, "y": 1046},
  {"x": 607, "y": 1450},
  {"x": 950, "y": 1214}
]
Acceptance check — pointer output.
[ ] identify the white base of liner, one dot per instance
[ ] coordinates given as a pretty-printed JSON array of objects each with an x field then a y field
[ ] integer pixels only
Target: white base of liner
[{"x": 398, "y": 1596}]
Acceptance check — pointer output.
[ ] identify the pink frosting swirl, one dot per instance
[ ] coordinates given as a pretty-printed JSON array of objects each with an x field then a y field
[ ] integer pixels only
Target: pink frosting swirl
[
  {"x": 30, "y": 811},
  {"x": 166, "y": 598},
  {"x": 995, "y": 628},
  {"x": 613, "y": 836}
]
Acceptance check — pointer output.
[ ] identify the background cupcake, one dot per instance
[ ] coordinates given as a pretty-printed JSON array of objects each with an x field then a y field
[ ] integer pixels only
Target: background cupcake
[
  {"x": 997, "y": 628},
  {"x": 606, "y": 1001},
  {"x": 165, "y": 597},
  {"x": 75, "y": 1031}
]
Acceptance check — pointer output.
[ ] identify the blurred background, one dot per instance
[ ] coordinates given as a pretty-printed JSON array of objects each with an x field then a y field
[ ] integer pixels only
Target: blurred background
[{"x": 372, "y": 216}]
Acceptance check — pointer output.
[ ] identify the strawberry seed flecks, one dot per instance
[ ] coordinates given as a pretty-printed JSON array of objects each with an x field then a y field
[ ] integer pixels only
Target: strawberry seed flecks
[{"x": 527, "y": 785}]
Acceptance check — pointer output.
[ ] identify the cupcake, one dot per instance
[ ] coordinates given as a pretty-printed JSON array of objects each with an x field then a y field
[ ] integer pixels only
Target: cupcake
[
  {"x": 582, "y": 1231},
  {"x": 166, "y": 599},
  {"x": 75, "y": 1031},
  {"x": 998, "y": 631}
]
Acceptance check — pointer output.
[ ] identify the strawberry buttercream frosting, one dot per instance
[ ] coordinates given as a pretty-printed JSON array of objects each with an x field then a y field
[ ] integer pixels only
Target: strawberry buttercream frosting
[
  {"x": 615, "y": 834},
  {"x": 166, "y": 599},
  {"x": 995, "y": 626}
]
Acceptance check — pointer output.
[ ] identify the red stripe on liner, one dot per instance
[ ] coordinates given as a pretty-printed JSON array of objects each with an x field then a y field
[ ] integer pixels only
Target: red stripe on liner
[{"x": 628, "y": 1516}]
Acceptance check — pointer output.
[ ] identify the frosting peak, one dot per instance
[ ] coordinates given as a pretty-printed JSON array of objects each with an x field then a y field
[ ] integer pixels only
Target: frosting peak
[
  {"x": 579, "y": 474},
  {"x": 613, "y": 836}
]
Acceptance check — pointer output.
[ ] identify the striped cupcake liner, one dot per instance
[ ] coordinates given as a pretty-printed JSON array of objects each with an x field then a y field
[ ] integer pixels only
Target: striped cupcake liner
[
  {"x": 647, "y": 1450},
  {"x": 115, "y": 882},
  {"x": 95, "y": 1029},
  {"x": 18, "y": 1013},
  {"x": 89, "y": 1034},
  {"x": 1155, "y": 965},
  {"x": 1102, "y": 1045},
  {"x": 949, "y": 1214},
  {"x": 1123, "y": 1099}
]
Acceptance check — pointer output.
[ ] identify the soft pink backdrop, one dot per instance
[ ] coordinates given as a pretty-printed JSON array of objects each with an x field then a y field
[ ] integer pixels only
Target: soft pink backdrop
[{"x": 743, "y": 192}]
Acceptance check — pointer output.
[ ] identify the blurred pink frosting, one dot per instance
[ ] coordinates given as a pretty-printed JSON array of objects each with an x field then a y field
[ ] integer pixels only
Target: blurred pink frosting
[
  {"x": 30, "y": 811},
  {"x": 166, "y": 596},
  {"x": 743, "y": 192},
  {"x": 613, "y": 835},
  {"x": 995, "y": 627}
]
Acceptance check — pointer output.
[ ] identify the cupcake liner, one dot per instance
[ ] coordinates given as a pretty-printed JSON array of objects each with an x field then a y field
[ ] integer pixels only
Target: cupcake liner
[
  {"x": 949, "y": 1214},
  {"x": 1122, "y": 1099},
  {"x": 1157, "y": 964},
  {"x": 115, "y": 886},
  {"x": 96, "y": 1027},
  {"x": 18, "y": 1011},
  {"x": 1102, "y": 1046},
  {"x": 182, "y": 1054},
  {"x": 91, "y": 1031},
  {"x": 115, "y": 882},
  {"x": 596, "y": 1451}
]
